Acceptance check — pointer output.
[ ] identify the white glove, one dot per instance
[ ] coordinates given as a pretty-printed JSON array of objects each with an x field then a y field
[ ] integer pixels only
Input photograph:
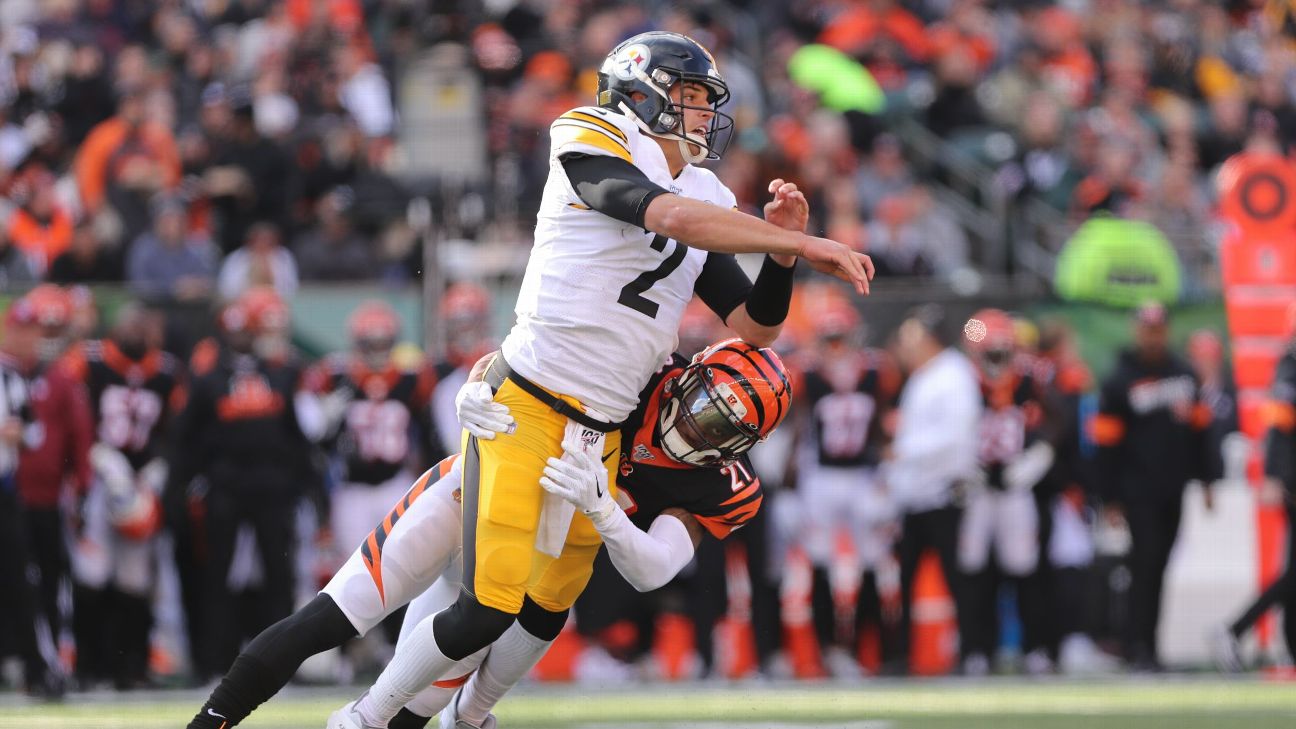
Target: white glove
[
  {"x": 1028, "y": 468},
  {"x": 334, "y": 407},
  {"x": 579, "y": 477},
  {"x": 478, "y": 412},
  {"x": 112, "y": 468},
  {"x": 153, "y": 475}
]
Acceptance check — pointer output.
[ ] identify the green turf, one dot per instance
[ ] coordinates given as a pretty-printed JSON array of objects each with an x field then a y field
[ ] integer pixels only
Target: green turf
[{"x": 1142, "y": 704}]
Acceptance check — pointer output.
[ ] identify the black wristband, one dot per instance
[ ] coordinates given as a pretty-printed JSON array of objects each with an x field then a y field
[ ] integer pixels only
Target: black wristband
[{"x": 771, "y": 293}]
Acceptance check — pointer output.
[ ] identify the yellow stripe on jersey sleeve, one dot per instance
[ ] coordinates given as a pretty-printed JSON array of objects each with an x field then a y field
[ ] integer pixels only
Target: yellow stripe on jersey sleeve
[
  {"x": 577, "y": 114},
  {"x": 569, "y": 132}
]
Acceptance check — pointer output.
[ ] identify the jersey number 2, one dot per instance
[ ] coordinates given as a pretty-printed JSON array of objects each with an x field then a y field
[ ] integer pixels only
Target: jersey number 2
[{"x": 632, "y": 294}]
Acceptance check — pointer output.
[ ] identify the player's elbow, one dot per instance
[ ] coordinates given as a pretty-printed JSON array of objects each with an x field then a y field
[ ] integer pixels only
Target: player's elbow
[
  {"x": 647, "y": 584},
  {"x": 670, "y": 216}
]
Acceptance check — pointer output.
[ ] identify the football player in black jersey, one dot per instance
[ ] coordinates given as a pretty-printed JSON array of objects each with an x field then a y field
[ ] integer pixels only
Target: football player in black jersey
[
  {"x": 1005, "y": 516},
  {"x": 242, "y": 433},
  {"x": 846, "y": 392},
  {"x": 683, "y": 473},
  {"x": 377, "y": 412},
  {"x": 133, "y": 387}
]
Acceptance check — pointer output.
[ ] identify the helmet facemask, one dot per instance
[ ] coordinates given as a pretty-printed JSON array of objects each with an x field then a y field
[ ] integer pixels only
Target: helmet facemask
[
  {"x": 996, "y": 361},
  {"x": 698, "y": 424},
  {"x": 375, "y": 351}
]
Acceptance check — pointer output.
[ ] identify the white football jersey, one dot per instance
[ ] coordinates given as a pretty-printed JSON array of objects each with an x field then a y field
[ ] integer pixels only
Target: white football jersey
[{"x": 601, "y": 301}]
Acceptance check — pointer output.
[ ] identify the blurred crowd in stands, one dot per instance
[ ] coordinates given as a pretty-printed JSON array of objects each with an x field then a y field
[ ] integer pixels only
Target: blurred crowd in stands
[{"x": 185, "y": 147}]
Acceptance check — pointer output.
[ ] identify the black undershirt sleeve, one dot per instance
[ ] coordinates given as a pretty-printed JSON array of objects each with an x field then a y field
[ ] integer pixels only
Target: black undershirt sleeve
[
  {"x": 722, "y": 285},
  {"x": 611, "y": 186}
]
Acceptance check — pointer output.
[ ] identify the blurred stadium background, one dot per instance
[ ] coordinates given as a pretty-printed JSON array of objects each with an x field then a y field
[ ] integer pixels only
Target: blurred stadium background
[{"x": 1062, "y": 161}]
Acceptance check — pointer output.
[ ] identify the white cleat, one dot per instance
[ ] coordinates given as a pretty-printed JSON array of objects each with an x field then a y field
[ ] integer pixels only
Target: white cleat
[
  {"x": 347, "y": 718},
  {"x": 841, "y": 664},
  {"x": 450, "y": 716},
  {"x": 1226, "y": 650},
  {"x": 1078, "y": 656}
]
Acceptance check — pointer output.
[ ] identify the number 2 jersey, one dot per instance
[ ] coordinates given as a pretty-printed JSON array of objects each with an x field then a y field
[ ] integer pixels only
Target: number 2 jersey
[
  {"x": 722, "y": 499},
  {"x": 131, "y": 399},
  {"x": 601, "y": 300}
]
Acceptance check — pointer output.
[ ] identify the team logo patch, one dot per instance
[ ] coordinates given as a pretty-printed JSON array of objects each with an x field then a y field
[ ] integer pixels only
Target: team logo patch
[
  {"x": 629, "y": 59},
  {"x": 731, "y": 397},
  {"x": 641, "y": 453}
]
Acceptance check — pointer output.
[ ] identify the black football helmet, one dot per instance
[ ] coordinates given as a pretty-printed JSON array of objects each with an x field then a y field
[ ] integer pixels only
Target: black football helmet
[{"x": 651, "y": 63}]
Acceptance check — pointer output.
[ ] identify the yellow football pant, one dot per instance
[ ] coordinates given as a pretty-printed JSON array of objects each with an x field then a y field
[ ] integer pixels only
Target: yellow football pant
[{"x": 501, "y": 511}]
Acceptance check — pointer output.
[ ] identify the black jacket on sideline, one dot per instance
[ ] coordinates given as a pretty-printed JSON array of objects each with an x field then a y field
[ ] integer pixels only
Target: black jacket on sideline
[
  {"x": 1150, "y": 430},
  {"x": 1280, "y": 437}
]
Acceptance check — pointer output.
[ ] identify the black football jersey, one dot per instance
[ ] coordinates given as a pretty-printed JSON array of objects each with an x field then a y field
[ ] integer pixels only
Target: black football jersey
[
  {"x": 845, "y": 414},
  {"x": 722, "y": 499},
  {"x": 130, "y": 399},
  {"x": 1011, "y": 416},
  {"x": 388, "y": 415}
]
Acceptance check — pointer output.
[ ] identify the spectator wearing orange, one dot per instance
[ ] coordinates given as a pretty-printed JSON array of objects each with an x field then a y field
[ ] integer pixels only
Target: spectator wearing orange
[
  {"x": 874, "y": 30},
  {"x": 39, "y": 227},
  {"x": 1112, "y": 186},
  {"x": 124, "y": 160}
]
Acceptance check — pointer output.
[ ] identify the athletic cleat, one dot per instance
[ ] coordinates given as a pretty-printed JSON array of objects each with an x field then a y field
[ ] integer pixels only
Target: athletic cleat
[
  {"x": 450, "y": 716},
  {"x": 348, "y": 718},
  {"x": 1225, "y": 649},
  {"x": 1078, "y": 656},
  {"x": 1038, "y": 663},
  {"x": 976, "y": 665},
  {"x": 841, "y": 664}
]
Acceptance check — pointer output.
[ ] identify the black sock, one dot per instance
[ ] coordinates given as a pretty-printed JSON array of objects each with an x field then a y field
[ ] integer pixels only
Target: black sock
[
  {"x": 407, "y": 719},
  {"x": 270, "y": 661}
]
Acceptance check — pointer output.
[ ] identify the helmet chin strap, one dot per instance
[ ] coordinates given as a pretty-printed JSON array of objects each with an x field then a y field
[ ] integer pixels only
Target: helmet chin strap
[
  {"x": 686, "y": 149},
  {"x": 690, "y": 140}
]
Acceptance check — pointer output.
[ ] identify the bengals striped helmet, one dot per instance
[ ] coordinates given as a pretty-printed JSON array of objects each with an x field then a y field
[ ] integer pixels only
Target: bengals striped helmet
[
  {"x": 374, "y": 327},
  {"x": 731, "y": 397},
  {"x": 992, "y": 340}
]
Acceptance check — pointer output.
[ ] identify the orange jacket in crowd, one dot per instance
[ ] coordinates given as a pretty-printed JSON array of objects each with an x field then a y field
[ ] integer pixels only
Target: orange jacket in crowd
[
  {"x": 40, "y": 242},
  {"x": 103, "y": 151}
]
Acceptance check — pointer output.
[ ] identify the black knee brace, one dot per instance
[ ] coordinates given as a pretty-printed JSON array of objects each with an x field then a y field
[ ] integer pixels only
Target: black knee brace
[
  {"x": 539, "y": 622},
  {"x": 467, "y": 626}
]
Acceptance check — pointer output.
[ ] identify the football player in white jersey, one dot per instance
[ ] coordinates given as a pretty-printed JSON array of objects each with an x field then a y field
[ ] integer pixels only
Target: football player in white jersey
[{"x": 628, "y": 230}]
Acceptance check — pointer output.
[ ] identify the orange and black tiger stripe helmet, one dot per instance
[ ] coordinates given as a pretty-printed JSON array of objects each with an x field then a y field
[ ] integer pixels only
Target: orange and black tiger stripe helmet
[{"x": 732, "y": 396}]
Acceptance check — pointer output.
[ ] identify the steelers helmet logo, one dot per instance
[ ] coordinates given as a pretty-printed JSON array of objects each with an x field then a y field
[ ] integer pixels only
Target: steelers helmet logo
[{"x": 634, "y": 56}]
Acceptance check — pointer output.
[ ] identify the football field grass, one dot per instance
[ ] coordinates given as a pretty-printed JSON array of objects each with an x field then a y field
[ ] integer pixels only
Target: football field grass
[{"x": 1136, "y": 703}]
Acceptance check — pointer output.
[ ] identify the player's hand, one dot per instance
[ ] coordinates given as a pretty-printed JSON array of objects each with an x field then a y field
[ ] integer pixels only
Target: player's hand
[
  {"x": 789, "y": 209},
  {"x": 11, "y": 431},
  {"x": 1029, "y": 467},
  {"x": 1272, "y": 492},
  {"x": 333, "y": 407},
  {"x": 579, "y": 477},
  {"x": 838, "y": 259},
  {"x": 1114, "y": 515},
  {"x": 478, "y": 412}
]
